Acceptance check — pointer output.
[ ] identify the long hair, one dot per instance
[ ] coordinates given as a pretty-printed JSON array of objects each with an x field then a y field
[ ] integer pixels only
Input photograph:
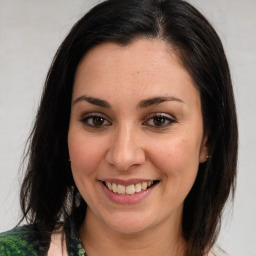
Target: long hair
[{"x": 48, "y": 193}]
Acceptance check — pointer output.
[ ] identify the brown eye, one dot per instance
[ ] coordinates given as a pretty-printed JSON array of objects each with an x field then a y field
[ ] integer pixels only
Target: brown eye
[
  {"x": 159, "y": 120},
  {"x": 95, "y": 121}
]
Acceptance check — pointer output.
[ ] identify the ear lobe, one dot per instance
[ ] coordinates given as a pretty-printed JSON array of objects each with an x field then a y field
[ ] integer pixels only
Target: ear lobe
[{"x": 204, "y": 150}]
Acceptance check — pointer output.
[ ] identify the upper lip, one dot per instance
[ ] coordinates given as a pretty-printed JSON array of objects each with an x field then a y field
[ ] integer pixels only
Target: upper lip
[{"x": 126, "y": 182}]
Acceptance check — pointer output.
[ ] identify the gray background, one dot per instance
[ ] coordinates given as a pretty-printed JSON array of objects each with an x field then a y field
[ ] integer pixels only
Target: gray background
[{"x": 31, "y": 31}]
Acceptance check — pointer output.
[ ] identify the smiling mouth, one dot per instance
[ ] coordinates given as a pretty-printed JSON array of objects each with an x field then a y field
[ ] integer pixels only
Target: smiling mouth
[{"x": 130, "y": 189}]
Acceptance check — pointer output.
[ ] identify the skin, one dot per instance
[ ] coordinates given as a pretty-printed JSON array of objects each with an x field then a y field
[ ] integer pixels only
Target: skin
[{"x": 129, "y": 143}]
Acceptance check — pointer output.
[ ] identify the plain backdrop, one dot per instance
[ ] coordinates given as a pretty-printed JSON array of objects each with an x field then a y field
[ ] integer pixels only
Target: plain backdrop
[{"x": 31, "y": 31}]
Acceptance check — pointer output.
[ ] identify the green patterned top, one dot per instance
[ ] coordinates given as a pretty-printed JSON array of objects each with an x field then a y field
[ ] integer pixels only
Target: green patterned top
[{"x": 25, "y": 240}]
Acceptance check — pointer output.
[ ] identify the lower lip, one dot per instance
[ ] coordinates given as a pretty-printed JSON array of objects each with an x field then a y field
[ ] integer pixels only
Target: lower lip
[{"x": 127, "y": 199}]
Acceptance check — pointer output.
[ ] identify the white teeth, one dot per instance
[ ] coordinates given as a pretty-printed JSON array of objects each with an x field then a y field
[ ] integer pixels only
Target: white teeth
[
  {"x": 138, "y": 187},
  {"x": 109, "y": 185},
  {"x": 120, "y": 189},
  {"x": 144, "y": 185},
  {"x": 114, "y": 187},
  {"x": 130, "y": 189}
]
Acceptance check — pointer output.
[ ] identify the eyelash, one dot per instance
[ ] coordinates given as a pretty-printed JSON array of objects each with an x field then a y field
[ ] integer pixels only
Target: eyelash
[
  {"x": 164, "y": 117},
  {"x": 102, "y": 118},
  {"x": 89, "y": 117}
]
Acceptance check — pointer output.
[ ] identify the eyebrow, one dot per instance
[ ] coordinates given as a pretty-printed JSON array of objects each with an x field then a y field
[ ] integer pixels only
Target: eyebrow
[
  {"x": 157, "y": 100},
  {"x": 143, "y": 104},
  {"x": 92, "y": 100}
]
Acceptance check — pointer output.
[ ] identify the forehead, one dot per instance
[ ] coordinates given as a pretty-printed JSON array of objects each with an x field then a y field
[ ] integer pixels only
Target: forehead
[{"x": 145, "y": 67}]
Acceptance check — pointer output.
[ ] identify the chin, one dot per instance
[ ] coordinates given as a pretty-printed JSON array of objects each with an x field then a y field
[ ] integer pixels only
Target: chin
[{"x": 129, "y": 223}]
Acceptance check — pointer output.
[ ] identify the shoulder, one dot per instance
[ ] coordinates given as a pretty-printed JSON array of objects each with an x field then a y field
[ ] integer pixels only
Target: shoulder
[{"x": 19, "y": 241}]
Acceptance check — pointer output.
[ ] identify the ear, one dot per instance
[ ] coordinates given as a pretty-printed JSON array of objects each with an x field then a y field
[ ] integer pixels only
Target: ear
[{"x": 204, "y": 151}]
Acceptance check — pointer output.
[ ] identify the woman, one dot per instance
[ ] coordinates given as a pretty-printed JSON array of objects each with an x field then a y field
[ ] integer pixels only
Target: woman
[{"x": 134, "y": 147}]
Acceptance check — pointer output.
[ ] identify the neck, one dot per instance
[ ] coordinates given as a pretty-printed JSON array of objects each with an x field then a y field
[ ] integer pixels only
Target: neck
[{"x": 100, "y": 240}]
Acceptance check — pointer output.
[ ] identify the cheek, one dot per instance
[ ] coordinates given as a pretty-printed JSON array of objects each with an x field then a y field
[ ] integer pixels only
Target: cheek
[
  {"x": 177, "y": 162},
  {"x": 177, "y": 159},
  {"x": 85, "y": 154}
]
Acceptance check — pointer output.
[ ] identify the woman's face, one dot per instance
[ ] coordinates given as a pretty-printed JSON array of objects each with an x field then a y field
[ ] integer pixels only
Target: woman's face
[{"x": 136, "y": 135}]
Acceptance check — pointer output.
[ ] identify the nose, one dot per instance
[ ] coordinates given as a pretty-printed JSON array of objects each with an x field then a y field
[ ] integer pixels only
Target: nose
[{"x": 125, "y": 149}]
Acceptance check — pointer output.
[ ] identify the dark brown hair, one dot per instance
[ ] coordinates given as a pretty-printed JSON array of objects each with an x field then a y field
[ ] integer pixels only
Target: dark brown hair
[{"x": 49, "y": 195}]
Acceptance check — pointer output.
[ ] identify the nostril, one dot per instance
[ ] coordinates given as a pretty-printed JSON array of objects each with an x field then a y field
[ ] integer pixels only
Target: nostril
[{"x": 125, "y": 153}]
